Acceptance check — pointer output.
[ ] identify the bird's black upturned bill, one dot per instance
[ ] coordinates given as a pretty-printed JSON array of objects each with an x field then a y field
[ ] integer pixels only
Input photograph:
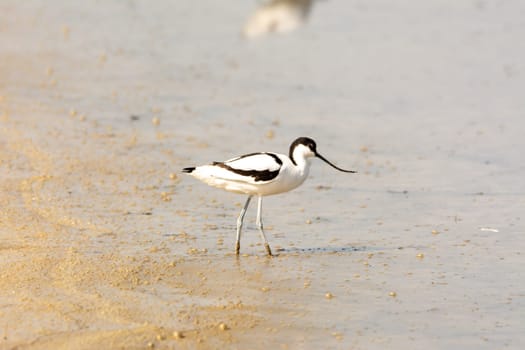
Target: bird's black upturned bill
[{"x": 332, "y": 165}]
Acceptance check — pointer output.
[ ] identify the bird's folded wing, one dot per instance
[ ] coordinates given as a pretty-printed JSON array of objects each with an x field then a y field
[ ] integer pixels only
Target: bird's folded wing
[{"x": 251, "y": 168}]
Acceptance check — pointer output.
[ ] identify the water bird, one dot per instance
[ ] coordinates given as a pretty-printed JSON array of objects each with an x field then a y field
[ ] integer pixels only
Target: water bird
[
  {"x": 277, "y": 16},
  {"x": 261, "y": 174}
]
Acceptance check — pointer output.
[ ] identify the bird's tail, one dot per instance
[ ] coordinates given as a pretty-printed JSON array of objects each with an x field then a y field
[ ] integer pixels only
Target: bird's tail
[{"x": 188, "y": 170}]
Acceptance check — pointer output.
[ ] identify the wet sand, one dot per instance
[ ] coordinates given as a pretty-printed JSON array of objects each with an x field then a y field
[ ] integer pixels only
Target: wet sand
[{"x": 105, "y": 244}]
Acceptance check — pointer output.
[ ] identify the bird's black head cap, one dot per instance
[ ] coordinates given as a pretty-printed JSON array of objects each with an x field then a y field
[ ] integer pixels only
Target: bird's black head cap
[{"x": 305, "y": 141}]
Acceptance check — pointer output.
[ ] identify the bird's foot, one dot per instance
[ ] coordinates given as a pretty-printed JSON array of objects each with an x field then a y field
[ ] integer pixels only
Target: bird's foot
[{"x": 268, "y": 250}]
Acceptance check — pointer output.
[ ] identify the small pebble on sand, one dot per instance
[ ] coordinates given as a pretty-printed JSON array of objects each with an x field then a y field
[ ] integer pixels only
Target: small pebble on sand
[
  {"x": 155, "y": 121},
  {"x": 65, "y": 32},
  {"x": 307, "y": 283},
  {"x": 337, "y": 335},
  {"x": 328, "y": 295},
  {"x": 393, "y": 294},
  {"x": 223, "y": 327},
  {"x": 420, "y": 256},
  {"x": 178, "y": 335}
]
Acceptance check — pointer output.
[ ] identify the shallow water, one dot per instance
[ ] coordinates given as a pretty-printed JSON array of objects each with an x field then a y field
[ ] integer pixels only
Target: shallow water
[{"x": 101, "y": 247}]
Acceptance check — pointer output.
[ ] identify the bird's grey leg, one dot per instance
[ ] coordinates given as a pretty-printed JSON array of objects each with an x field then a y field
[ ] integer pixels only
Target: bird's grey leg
[
  {"x": 259, "y": 224},
  {"x": 239, "y": 225}
]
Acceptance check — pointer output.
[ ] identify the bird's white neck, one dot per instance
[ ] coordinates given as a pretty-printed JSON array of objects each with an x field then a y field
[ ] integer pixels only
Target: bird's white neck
[{"x": 301, "y": 159}]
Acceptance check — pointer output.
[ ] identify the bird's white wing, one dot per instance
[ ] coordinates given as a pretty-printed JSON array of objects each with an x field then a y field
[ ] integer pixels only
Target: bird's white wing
[
  {"x": 253, "y": 168},
  {"x": 256, "y": 161}
]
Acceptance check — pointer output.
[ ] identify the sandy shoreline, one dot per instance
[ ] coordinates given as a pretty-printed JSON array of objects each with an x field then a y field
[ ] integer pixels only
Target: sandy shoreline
[{"x": 109, "y": 273}]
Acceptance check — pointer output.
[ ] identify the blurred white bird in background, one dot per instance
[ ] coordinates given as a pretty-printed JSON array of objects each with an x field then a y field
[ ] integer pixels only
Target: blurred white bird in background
[{"x": 277, "y": 16}]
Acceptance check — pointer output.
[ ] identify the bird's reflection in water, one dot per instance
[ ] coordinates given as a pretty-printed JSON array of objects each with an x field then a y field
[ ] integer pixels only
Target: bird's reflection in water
[{"x": 277, "y": 16}]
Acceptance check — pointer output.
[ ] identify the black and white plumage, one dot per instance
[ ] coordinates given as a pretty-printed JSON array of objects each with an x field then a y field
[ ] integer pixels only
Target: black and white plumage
[{"x": 261, "y": 174}]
